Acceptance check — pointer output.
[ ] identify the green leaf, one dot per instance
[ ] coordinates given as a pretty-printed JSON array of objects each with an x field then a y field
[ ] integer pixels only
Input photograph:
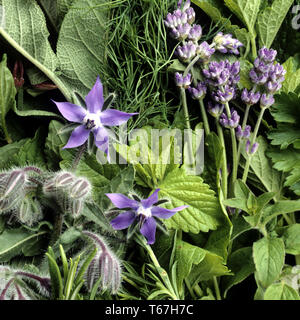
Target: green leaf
[
  {"x": 246, "y": 11},
  {"x": 291, "y": 238},
  {"x": 81, "y": 44},
  {"x": 263, "y": 169},
  {"x": 12, "y": 242},
  {"x": 292, "y": 77},
  {"x": 203, "y": 213},
  {"x": 268, "y": 255},
  {"x": 56, "y": 279},
  {"x": 241, "y": 265},
  {"x": 281, "y": 291},
  {"x": 186, "y": 256},
  {"x": 7, "y": 94},
  {"x": 9, "y": 154},
  {"x": 270, "y": 20}
]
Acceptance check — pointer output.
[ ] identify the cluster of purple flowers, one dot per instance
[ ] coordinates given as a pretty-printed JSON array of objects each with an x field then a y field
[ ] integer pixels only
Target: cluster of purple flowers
[{"x": 268, "y": 74}]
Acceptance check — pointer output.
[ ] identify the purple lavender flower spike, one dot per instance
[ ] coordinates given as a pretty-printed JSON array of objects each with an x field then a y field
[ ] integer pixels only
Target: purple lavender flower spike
[
  {"x": 183, "y": 82},
  {"x": 250, "y": 97},
  {"x": 231, "y": 122},
  {"x": 267, "y": 55},
  {"x": 248, "y": 144},
  {"x": 195, "y": 33},
  {"x": 258, "y": 78},
  {"x": 181, "y": 32},
  {"x": 254, "y": 148},
  {"x": 267, "y": 100},
  {"x": 205, "y": 51},
  {"x": 215, "y": 110},
  {"x": 226, "y": 44},
  {"x": 224, "y": 97},
  {"x": 144, "y": 211},
  {"x": 92, "y": 119},
  {"x": 243, "y": 134},
  {"x": 186, "y": 52},
  {"x": 199, "y": 92}
]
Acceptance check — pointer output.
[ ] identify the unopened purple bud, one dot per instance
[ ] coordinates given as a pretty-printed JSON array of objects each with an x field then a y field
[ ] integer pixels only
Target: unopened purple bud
[
  {"x": 199, "y": 92},
  {"x": 80, "y": 189},
  {"x": 186, "y": 52},
  {"x": 258, "y": 79},
  {"x": 248, "y": 144},
  {"x": 191, "y": 15},
  {"x": 75, "y": 207},
  {"x": 254, "y": 148},
  {"x": 273, "y": 87},
  {"x": 181, "y": 32},
  {"x": 224, "y": 97},
  {"x": 183, "y": 82},
  {"x": 195, "y": 33},
  {"x": 250, "y": 97},
  {"x": 239, "y": 133},
  {"x": 14, "y": 183},
  {"x": 267, "y": 55},
  {"x": 267, "y": 100},
  {"x": 215, "y": 109}
]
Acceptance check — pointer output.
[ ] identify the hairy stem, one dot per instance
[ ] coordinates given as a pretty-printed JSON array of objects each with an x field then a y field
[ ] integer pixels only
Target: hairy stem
[{"x": 78, "y": 156}]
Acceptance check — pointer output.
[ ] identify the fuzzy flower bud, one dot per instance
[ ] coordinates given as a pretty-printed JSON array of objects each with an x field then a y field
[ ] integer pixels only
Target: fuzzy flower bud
[
  {"x": 80, "y": 189},
  {"x": 250, "y": 97},
  {"x": 183, "y": 82},
  {"x": 231, "y": 122},
  {"x": 30, "y": 211},
  {"x": 199, "y": 92},
  {"x": 105, "y": 265},
  {"x": 226, "y": 44}
]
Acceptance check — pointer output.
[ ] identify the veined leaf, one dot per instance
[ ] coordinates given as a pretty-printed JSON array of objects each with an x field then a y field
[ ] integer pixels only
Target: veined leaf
[
  {"x": 268, "y": 255},
  {"x": 281, "y": 291},
  {"x": 270, "y": 19},
  {"x": 291, "y": 238},
  {"x": 13, "y": 240},
  {"x": 292, "y": 77},
  {"x": 204, "y": 211}
]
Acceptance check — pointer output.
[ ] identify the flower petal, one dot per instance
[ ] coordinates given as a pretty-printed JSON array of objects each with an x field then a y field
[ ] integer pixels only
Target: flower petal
[
  {"x": 147, "y": 203},
  {"x": 148, "y": 230},
  {"x": 165, "y": 213},
  {"x": 123, "y": 220},
  {"x": 70, "y": 111},
  {"x": 94, "y": 100},
  {"x": 100, "y": 136},
  {"x": 78, "y": 137},
  {"x": 121, "y": 201},
  {"x": 113, "y": 117}
]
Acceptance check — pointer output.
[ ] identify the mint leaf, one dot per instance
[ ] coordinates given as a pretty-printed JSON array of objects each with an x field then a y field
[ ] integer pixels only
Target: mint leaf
[
  {"x": 292, "y": 77},
  {"x": 270, "y": 19},
  {"x": 281, "y": 291},
  {"x": 203, "y": 213},
  {"x": 291, "y": 238},
  {"x": 268, "y": 255}
]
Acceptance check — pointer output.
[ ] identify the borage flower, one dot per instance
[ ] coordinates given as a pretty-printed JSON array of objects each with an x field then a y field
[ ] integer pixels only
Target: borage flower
[
  {"x": 92, "y": 120},
  {"x": 142, "y": 210}
]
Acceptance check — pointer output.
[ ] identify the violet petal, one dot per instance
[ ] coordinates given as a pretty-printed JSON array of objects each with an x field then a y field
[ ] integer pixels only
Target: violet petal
[
  {"x": 121, "y": 201},
  {"x": 78, "y": 137},
  {"x": 165, "y": 213},
  {"x": 113, "y": 117},
  {"x": 147, "y": 203},
  {"x": 71, "y": 112},
  {"x": 123, "y": 220},
  {"x": 148, "y": 230},
  {"x": 94, "y": 100}
]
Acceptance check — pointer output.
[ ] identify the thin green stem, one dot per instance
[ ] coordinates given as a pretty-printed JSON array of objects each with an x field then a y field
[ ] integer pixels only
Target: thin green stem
[
  {"x": 234, "y": 150},
  {"x": 204, "y": 117},
  {"x": 191, "y": 65},
  {"x": 190, "y": 289},
  {"x": 260, "y": 117},
  {"x": 224, "y": 164},
  {"x": 217, "y": 290},
  {"x": 198, "y": 290},
  {"x": 246, "y": 116},
  {"x": 185, "y": 108},
  {"x": 254, "y": 49}
]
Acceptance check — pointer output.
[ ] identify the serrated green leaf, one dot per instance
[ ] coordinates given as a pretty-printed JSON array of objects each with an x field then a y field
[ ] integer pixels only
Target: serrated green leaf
[
  {"x": 292, "y": 77},
  {"x": 281, "y": 291},
  {"x": 203, "y": 213},
  {"x": 268, "y": 255},
  {"x": 291, "y": 238},
  {"x": 270, "y": 19}
]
